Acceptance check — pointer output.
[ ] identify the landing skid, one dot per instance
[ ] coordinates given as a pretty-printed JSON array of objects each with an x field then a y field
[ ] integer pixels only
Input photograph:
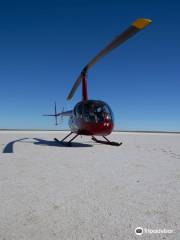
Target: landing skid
[
  {"x": 63, "y": 142},
  {"x": 107, "y": 142}
]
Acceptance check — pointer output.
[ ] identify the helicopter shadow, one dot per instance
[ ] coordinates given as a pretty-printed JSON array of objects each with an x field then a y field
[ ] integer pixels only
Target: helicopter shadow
[
  {"x": 60, "y": 144},
  {"x": 9, "y": 148}
]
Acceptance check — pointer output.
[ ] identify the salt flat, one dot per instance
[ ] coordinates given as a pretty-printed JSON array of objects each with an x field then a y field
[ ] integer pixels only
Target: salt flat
[{"x": 86, "y": 191}]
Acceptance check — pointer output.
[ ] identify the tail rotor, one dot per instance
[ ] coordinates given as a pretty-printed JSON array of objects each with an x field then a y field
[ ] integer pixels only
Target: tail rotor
[
  {"x": 55, "y": 114},
  {"x": 59, "y": 114}
]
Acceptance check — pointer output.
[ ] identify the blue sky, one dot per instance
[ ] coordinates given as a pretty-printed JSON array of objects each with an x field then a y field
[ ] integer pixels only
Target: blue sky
[{"x": 45, "y": 44}]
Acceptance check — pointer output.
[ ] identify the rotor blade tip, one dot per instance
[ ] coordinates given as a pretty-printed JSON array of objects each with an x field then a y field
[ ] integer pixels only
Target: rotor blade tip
[{"x": 141, "y": 23}]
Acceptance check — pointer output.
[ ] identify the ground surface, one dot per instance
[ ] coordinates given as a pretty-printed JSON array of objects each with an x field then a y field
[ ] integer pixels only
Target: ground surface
[{"x": 88, "y": 192}]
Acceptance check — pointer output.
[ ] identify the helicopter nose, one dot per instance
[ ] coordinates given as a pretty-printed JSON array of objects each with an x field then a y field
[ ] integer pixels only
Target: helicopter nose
[{"x": 106, "y": 124}]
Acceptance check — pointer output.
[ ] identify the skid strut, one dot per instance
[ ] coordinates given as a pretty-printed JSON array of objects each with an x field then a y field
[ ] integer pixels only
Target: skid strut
[
  {"x": 69, "y": 142},
  {"x": 107, "y": 142}
]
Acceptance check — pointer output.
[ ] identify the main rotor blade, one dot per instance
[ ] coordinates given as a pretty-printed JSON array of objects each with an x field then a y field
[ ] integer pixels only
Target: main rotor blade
[
  {"x": 129, "y": 32},
  {"x": 75, "y": 86},
  {"x": 136, "y": 26}
]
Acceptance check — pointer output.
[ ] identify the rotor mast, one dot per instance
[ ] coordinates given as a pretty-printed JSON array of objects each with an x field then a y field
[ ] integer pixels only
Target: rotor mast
[{"x": 84, "y": 85}]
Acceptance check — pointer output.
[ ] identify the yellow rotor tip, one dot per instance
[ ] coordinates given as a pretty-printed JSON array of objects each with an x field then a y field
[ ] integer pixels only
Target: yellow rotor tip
[{"x": 141, "y": 23}]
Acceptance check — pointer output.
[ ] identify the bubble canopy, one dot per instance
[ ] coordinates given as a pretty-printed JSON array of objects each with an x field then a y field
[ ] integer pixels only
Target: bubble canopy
[{"x": 93, "y": 111}]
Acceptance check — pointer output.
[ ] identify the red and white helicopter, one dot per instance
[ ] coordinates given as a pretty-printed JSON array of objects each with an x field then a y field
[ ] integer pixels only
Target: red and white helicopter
[{"x": 95, "y": 117}]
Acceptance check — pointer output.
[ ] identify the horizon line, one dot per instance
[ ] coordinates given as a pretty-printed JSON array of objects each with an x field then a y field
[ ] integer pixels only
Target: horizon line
[{"x": 116, "y": 130}]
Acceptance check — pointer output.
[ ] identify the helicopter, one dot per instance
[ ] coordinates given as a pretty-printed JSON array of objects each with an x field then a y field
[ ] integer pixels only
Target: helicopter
[{"x": 95, "y": 117}]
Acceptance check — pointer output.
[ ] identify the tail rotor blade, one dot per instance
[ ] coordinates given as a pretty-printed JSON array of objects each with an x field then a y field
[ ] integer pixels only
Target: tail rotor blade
[{"x": 55, "y": 114}]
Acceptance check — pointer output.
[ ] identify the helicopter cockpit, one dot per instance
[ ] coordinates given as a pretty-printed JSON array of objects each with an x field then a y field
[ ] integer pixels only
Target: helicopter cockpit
[{"x": 93, "y": 111}]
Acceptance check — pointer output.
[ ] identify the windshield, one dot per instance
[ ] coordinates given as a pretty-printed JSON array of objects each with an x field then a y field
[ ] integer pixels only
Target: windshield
[{"x": 93, "y": 111}]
